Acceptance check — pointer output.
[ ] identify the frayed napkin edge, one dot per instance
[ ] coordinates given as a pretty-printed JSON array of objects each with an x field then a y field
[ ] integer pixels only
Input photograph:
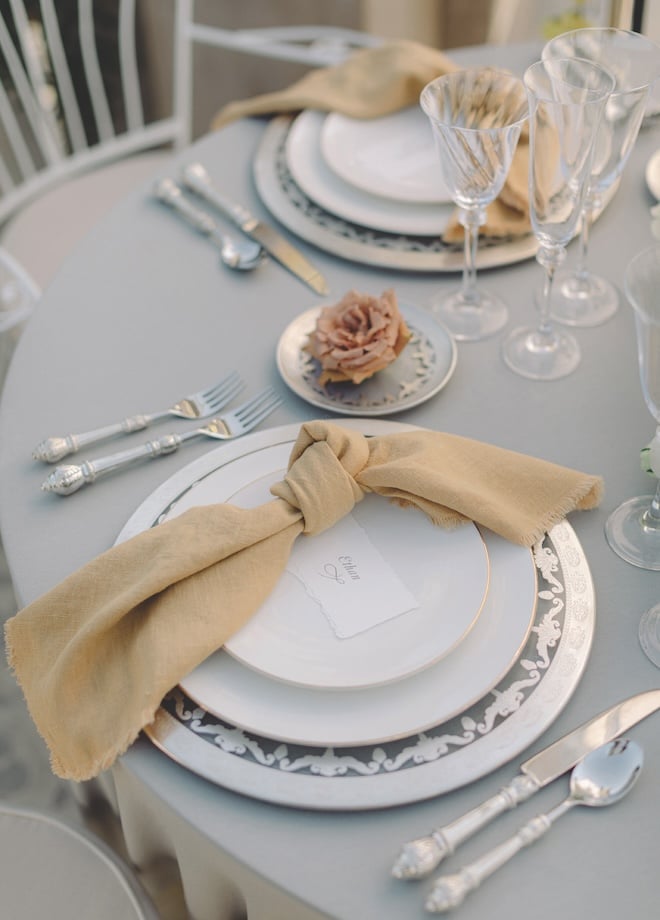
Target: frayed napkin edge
[
  {"x": 584, "y": 497},
  {"x": 57, "y": 765}
]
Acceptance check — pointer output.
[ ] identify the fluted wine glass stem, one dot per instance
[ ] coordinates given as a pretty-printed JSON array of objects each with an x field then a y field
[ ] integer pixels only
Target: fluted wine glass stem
[
  {"x": 471, "y": 219},
  {"x": 581, "y": 274},
  {"x": 651, "y": 519},
  {"x": 550, "y": 259}
]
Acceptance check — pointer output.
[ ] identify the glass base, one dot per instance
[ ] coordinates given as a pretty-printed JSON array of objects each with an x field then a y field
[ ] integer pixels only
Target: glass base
[
  {"x": 468, "y": 321},
  {"x": 649, "y": 634},
  {"x": 541, "y": 355},
  {"x": 583, "y": 301},
  {"x": 630, "y": 538}
]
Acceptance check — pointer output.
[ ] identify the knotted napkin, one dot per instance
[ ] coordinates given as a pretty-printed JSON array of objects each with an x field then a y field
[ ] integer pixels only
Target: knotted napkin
[
  {"x": 374, "y": 82},
  {"x": 97, "y": 653}
]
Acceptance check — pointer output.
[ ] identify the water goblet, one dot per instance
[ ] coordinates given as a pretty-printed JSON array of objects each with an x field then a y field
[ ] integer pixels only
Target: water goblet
[
  {"x": 633, "y": 529},
  {"x": 582, "y": 298},
  {"x": 476, "y": 116},
  {"x": 566, "y": 100}
]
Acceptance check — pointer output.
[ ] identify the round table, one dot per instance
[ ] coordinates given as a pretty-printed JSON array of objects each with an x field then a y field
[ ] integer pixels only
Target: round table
[{"x": 144, "y": 311}]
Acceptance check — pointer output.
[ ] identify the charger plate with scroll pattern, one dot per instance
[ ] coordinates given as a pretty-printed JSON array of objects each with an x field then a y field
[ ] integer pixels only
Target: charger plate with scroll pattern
[
  {"x": 482, "y": 737},
  {"x": 309, "y": 220},
  {"x": 363, "y": 244}
]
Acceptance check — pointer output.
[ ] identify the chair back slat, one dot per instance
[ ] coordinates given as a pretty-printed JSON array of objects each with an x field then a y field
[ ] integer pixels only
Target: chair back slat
[
  {"x": 14, "y": 139},
  {"x": 128, "y": 63},
  {"x": 62, "y": 75},
  {"x": 26, "y": 134},
  {"x": 71, "y": 95},
  {"x": 30, "y": 83},
  {"x": 6, "y": 180},
  {"x": 90, "y": 56}
]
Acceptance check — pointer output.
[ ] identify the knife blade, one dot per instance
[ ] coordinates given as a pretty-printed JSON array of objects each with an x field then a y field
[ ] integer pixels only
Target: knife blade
[
  {"x": 419, "y": 857},
  {"x": 198, "y": 181}
]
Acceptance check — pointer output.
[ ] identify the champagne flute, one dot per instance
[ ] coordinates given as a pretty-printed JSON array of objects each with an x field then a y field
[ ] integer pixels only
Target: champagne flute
[
  {"x": 633, "y": 529},
  {"x": 582, "y": 298},
  {"x": 566, "y": 101},
  {"x": 476, "y": 116}
]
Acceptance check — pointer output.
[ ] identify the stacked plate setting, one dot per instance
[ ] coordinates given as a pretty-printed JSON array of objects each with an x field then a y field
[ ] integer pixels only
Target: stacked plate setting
[
  {"x": 289, "y": 712},
  {"x": 368, "y": 190}
]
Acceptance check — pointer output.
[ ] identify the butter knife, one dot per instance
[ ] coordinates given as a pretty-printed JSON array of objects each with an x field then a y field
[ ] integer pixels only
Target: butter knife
[
  {"x": 419, "y": 857},
  {"x": 197, "y": 180}
]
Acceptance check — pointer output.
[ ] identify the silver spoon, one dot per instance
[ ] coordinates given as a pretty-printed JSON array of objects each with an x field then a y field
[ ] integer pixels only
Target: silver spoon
[
  {"x": 602, "y": 778},
  {"x": 243, "y": 254}
]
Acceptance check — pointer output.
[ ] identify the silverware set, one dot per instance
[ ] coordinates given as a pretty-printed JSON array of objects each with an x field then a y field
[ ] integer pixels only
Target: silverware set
[
  {"x": 66, "y": 479},
  {"x": 242, "y": 254},
  {"x": 604, "y": 770}
]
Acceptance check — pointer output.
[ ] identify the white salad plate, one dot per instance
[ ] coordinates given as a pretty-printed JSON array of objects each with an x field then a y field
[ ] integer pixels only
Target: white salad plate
[
  {"x": 393, "y": 156},
  {"x": 290, "y": 639},
  {"x": 317, "y": 180},
  {"x": 222, "y": 686}
]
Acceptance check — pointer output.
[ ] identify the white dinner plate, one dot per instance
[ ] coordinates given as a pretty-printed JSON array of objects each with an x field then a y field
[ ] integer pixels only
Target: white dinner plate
[
  {"x": 289, "y": 638},
  {"x": 393, "y": 156},
  {"x": 311, "y": 172},
  {"x": 422, "y": 369},
  {"x": 452, "y": 753},
  {"x": 222, "y": 686}
]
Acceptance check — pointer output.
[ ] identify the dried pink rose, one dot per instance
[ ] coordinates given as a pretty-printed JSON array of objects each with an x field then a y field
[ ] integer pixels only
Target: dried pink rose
[{"x": 358, "y": 337}]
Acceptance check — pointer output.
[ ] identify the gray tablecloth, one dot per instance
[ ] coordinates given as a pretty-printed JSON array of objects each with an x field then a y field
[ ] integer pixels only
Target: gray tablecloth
[{"x": 144, "y": 312}]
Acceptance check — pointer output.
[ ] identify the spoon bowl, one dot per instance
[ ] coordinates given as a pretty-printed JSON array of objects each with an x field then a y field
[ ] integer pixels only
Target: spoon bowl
[
  {"x": 606, "y": 774},
  {"x": 238, "y": 254},
  {"x": 243, "y": 255}
]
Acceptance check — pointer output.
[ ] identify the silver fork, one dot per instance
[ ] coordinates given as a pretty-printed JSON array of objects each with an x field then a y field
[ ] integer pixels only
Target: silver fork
[
  {"x": 64, "y": 480},
  {"x": 199, "y": 405}
]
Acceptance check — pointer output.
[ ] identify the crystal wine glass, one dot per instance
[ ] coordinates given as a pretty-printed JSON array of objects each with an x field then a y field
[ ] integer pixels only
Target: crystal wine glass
[
  {"x": 476, "y": 116},
  {"x": 582, "y": 298},
  {"x": 633, "y": 529},
  {"x": 566, "y": 101}
]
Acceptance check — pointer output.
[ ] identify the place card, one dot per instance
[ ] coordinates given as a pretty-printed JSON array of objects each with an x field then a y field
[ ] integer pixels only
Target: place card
[{"x": 348, "y": 578}]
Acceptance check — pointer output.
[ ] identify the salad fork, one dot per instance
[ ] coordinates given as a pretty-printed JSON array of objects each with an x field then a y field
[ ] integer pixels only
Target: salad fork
[
  {"x": 198, "y": 405},
  {"x": 64, "y": 480}
]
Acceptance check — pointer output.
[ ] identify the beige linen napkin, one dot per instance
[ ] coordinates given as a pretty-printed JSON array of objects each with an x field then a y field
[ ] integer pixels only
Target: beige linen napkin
[
  {"x": 378, "y": 81},
  {"x": 97, "y": 653}
]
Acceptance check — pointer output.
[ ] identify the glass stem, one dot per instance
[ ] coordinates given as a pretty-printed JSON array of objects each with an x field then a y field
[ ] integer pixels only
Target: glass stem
[
  {"x": 651, "y": 518},
  {"x": 471, "y": 219},
  {"x": 588, "y": 212},
  {"x": 550, "y": 259}
]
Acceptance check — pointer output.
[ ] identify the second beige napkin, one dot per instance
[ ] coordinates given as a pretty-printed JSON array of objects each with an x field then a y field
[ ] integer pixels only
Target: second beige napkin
[
  {"x": 96, "y": 654},
  {"x": 377, "y": 81}
]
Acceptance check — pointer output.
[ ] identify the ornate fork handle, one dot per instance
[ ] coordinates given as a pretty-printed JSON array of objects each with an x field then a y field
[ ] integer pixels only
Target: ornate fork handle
[
  {"x": 64, "y": 480},
  {"x": 53, "y": 449}
]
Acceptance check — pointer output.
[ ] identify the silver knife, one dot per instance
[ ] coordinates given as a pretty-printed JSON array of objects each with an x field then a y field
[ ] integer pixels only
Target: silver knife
[
  {"x": 419, "y": 857},
  {"x": 197, "y": 179}
]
